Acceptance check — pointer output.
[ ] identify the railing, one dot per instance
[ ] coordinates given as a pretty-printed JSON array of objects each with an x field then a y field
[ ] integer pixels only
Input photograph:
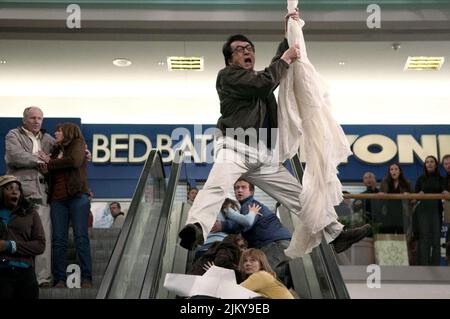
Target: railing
[
  {"x": 405, "y": 252},
  {"x": 417, "y": 196},
  {"x": 408, "y": 228}
]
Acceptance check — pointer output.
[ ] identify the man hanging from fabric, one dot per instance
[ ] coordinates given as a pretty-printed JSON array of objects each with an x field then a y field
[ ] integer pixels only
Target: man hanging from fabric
[{"x": 250, "y": 146}]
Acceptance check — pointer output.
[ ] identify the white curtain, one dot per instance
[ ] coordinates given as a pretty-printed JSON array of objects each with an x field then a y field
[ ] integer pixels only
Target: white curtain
[{"x": 304, "y": 108}]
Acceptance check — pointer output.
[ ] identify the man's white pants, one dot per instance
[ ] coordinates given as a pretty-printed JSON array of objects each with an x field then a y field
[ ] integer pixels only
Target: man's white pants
[
  {"x": 43, "y": 262},
  {"x": 258, "y": 167}
]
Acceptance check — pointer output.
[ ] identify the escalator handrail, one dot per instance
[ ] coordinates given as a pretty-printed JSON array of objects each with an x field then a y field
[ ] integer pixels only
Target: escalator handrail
[
  {"x": 297, "y": 167},
  {"x": 113, "y": 264},
  {"x": 332, "y": 274},
  {"x": 153, "y": 272},
  {"x": 335, "y": 276}
]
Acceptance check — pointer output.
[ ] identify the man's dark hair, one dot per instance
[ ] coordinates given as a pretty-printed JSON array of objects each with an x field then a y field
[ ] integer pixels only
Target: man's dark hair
[
  {"x": 226, "y": 49},
  {"x": 251, "y": 186},
  {"x": 117, "y": 203}
]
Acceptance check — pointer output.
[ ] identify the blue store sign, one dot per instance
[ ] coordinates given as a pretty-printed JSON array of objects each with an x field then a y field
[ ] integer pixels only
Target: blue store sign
[{"x": 119, "y": 151}]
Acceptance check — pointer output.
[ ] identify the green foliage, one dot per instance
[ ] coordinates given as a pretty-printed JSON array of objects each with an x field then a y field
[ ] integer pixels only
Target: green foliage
[{"x": 359, "y": 218}]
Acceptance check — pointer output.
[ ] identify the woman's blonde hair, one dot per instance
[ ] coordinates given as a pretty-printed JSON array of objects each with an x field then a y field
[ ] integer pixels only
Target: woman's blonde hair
[
  {"x": 260, "y": 256},
  {"x": 71, "y": 132}
]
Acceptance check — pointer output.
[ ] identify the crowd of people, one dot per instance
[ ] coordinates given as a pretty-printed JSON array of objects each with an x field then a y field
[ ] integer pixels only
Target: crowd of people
[
  {"x": 420, "y": 221},
  {"x": 46, "y": 189}
]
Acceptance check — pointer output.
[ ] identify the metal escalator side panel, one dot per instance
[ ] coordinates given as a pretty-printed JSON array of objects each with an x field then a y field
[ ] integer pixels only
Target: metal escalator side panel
[
  {"x": 323, "y": 278},
  {"x": 134, "y": 262},
  {"x": 179, "y": 262},
  {"x": 339, "y": 287},
  {"x": 303, "y": 274},
  {"x": 153, "y": 273},
  {"x": 324, "y": 261},
  {"x": 143, "y": 192}
]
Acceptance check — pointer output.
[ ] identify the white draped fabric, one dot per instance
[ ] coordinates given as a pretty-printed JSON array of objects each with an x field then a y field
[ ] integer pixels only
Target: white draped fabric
[{"x": 304, "y": 108}]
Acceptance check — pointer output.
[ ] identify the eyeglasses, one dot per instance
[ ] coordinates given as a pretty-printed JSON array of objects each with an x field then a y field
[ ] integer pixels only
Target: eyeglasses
[{"x": 240, "y": 49}]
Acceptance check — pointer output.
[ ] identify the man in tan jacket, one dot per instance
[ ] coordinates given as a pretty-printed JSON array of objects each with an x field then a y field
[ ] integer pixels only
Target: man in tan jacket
[{"x": 22, "y": 146}]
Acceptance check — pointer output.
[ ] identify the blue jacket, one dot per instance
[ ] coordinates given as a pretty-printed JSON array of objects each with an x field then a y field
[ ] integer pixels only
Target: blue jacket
[{"x": 266, "y": 228}]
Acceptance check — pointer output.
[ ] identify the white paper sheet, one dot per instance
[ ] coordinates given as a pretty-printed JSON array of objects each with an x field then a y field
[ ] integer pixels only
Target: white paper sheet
[{"x": 216, "y": 282}]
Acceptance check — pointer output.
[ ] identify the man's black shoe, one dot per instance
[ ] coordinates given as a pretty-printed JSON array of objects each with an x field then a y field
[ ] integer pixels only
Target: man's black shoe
[
  {"x": 348, "y": 237},
  {"x": 191, "y": 236}
]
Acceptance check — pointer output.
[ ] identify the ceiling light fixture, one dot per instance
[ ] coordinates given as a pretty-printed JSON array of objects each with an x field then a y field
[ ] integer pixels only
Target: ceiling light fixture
[
  {"x": 396, "y": 46},
  {"x": 424, "y": 63},
  {"x": 121, "y": 62},
  {"x": 2, "y": 61}
]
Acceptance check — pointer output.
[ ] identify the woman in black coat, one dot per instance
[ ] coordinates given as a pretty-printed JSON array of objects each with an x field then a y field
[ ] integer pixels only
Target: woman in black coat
[
  {"x": 396, "y": 212},
  {"x": 428, "y": 214}
]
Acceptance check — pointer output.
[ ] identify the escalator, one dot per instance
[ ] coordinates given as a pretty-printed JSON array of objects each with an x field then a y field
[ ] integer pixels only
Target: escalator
[
  {"x": 134, "y": 269},
  {"x": 316, "y": 275},
  {"x": 147, "y": 247}
]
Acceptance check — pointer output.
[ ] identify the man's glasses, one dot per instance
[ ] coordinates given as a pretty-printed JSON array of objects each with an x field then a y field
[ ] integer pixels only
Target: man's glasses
[{"x": 240, "y": 49}]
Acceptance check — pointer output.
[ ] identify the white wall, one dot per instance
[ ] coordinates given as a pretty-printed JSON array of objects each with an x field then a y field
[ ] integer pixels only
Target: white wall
[
  {"x": 77, "y": 79},
  {"x": 354, "y": 102}
]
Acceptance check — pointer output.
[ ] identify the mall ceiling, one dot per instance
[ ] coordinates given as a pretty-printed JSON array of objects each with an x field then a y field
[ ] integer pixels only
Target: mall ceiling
[
  {"x": 209, "y": 20},
  {"x": 34, "y": 40},
  {"x": 58, "y": 61}
]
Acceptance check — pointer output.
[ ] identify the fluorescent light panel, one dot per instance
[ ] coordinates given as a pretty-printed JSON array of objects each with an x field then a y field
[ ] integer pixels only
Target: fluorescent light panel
[
  {"x": 182, "y": 63},
  {"x": 424, "y": 63}
]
